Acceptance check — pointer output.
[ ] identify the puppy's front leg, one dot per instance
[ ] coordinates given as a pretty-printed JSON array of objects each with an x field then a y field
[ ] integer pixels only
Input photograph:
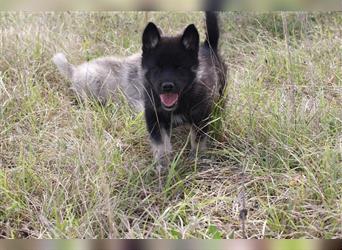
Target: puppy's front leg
[
  {"x": 198, "y": 139},
  {"x": 162, "y": 149},
  {"x": 160, "y": 139}
]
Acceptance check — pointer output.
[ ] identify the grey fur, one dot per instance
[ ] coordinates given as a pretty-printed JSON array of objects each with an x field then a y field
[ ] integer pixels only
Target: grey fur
[{"x": 104, "y": 77}]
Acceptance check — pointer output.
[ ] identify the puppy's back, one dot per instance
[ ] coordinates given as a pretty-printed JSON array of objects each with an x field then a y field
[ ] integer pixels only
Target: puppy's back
[{"x": 104, "y": 78}]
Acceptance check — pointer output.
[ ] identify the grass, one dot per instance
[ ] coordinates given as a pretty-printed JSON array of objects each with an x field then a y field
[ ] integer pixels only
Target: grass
[{"x": 85, "y": 171}]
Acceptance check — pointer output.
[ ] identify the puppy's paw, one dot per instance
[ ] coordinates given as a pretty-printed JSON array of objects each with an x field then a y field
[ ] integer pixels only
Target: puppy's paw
[
  {"x": 195, "y": 154},
  {"x": 192, "y": 154},
  {"x": 162, "y": 165},
  {"x": 162, "y": 153},
  {"x": 161, "y": 170}
]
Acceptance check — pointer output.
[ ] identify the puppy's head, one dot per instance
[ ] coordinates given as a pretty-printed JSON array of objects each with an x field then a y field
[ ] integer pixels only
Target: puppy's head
[{"x": 170, "y": 63}]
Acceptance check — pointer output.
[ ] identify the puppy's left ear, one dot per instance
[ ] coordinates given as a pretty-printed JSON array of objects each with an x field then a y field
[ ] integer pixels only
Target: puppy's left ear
[
  {"x": 190, "y": 38},
  {"x": 151, "y": 36}
]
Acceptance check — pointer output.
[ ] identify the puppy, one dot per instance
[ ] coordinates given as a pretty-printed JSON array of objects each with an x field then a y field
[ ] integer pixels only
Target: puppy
[
  {"x": 105, "y": 77},
  {"x": 176, "y": 81},
  {"x": 182, "y": 80}
]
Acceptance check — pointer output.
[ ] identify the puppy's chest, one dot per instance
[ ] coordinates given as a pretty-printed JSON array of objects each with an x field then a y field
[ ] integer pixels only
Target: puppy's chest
[{"x": 178, "y": 120}]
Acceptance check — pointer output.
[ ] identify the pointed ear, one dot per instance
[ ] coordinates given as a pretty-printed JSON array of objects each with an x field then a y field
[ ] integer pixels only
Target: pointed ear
[
  {"x": 190, "y": 38},
  {"x": 151, "y": 36},
  {"x": 161, "y": 32}
]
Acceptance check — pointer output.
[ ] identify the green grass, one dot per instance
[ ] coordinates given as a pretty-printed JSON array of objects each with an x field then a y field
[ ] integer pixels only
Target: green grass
[{"x": 85, "y": 171}]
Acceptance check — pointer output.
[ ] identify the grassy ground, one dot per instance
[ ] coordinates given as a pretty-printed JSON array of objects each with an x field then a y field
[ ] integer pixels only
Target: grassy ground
[{"x": 85, "y": 171}]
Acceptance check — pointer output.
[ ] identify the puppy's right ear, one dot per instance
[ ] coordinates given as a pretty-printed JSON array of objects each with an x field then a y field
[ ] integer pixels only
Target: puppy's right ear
[{"x": 151, "y": 36}]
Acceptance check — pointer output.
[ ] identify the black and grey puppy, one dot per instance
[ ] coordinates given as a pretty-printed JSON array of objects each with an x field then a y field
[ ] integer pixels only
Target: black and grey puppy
[
  {"x": 182, "y": 80},
  {"x": 176, "y": 81}
]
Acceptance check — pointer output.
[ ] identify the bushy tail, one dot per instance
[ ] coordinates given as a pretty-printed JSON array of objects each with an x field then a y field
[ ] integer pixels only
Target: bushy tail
[
  {"x": 64, "y": 67},
  {"x": 213, "y": 32}
]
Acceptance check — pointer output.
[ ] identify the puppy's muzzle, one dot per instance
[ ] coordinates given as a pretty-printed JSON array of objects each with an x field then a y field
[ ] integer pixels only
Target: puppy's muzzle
[{"x": 167, "y": 87}]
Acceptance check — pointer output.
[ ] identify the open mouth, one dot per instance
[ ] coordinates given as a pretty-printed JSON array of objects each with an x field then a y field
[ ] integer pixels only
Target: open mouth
[{"x": 169, "y": 100}]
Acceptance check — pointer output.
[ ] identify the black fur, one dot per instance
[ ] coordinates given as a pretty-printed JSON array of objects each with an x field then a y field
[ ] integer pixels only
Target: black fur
[
  {"x": 194, "y": 69},
  {"x": 213, "y": 33}
]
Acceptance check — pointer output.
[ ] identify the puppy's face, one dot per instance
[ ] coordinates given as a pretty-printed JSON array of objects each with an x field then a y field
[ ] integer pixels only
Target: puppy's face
[{"x": 170, "y": 63}]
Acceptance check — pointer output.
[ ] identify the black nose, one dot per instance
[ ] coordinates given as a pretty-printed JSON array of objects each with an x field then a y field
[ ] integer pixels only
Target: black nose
[{"x": 167, "y": 86}]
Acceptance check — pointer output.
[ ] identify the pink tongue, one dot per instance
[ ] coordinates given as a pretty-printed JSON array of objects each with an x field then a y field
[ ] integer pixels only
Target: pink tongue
[{"x": 169, "y": 99}]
